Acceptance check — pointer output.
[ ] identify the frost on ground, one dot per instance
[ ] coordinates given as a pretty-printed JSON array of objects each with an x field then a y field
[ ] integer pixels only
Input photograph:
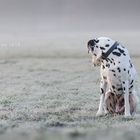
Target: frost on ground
[
  {"x": 56, "y": 98},
  {"x": 50, "y": 90}
]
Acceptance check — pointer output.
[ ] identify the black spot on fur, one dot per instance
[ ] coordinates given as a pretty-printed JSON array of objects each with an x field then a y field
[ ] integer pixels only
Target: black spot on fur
[
  {"x": 131, "y": 82},
  {"x": 124, "y": 88},
  {"x": 113, "y": 86},
  {"x": 113, "y": 70},
  {"x": 108, "y": 65},
  {"x": 109, "y": 60},
  {"x": 114, "y": 75},
  {"x": 104, "y": 77},
  {"x": 130, "y": 64},
  {"x": 102, "y": 91},
  {"x": 103, "y": 67},
  {"x": 124, "y": 54},
  {"x": 122, "y": 101},
  {"x": 120, "y": 89},
  {"x": 130, "y": 87},
  {"x": 112, "y": 94},
  {"x": 124, "y": 69},
  {"x": 107, "y": 45},
  {"x": 116, "y": 53},
  {"x": 119, "y": 70},
  {"x": 92, "y": 48},
  {"x": 97, "y": 41},
  {"x": 102, "y": 48},
  {"x": 123, "y": 82},
  {"x": 112, "y": 59},
  {"x": 128, "y": 71},
  {"x": 121, "y": 51}
]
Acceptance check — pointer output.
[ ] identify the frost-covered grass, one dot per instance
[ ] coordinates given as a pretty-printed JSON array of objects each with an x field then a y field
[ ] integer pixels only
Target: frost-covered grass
[
  {"x": 50, "y": 90},
  {"x": 56, "y": 98}
]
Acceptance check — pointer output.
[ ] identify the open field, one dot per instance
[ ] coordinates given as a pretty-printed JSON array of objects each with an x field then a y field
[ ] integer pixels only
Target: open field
[
  {"x": 56, "y": 97},
  {"x": 49, "y": 89}
]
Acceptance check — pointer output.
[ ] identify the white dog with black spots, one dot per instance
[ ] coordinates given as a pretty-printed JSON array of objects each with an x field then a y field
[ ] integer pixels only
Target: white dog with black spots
[{"x": 118, "y": 74}]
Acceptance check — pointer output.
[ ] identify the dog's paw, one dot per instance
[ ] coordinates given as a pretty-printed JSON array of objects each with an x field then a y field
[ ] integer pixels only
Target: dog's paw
[
  {"x": 106, "y": 112},
  {"x": 128, "y": 116},
  {"x": 99, "y": 114}
]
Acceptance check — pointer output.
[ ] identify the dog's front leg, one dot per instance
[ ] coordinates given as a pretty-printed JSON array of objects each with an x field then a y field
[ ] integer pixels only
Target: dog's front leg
[
  {"x": 126, "y": 100},
  {"x": 100, "y": 111}
]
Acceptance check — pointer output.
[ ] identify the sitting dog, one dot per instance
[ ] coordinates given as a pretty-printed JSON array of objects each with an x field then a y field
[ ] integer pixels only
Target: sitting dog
[{"x": 118, "y": 76}]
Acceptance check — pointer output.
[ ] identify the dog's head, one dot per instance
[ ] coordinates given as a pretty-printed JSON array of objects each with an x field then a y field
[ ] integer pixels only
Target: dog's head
[{"x": 96, "y": 48}]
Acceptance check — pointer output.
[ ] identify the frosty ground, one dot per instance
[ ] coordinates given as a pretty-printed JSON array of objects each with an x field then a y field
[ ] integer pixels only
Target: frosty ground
[{"x": 56, "y": 97}]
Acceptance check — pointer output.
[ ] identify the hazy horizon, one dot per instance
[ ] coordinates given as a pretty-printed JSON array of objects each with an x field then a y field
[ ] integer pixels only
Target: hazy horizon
[{"x": 43, "y": 16}]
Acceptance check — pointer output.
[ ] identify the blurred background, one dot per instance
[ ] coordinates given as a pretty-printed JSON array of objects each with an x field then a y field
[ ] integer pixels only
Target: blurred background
[
  {"x": 54, "y": 25},
  {"x": 40, "y": 89}
]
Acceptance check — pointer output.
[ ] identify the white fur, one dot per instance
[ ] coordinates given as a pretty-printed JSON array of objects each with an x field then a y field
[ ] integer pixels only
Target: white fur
[{"x": 121, "y": 79}]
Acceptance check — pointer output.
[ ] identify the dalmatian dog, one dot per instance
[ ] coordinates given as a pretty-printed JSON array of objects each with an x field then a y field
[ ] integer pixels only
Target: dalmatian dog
[{"x": 118, "y": 76}]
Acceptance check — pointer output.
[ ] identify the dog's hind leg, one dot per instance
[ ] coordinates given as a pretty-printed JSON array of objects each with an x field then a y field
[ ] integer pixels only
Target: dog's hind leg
[{"x": 109, "y": 102}]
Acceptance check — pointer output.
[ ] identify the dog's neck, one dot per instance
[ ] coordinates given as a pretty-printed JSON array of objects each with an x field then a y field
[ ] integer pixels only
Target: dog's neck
[
  {"x": 105, "y": 46},
  {"x": 114, "y": 55},
  {"x": 106, "y": 54},
  {"x": 106, "y": 58}
]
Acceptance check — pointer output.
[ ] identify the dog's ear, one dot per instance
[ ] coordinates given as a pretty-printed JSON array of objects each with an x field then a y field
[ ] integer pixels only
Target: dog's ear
[
  {"x": 90, "y": 45},
  {"x": 91, "y": 42}
]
